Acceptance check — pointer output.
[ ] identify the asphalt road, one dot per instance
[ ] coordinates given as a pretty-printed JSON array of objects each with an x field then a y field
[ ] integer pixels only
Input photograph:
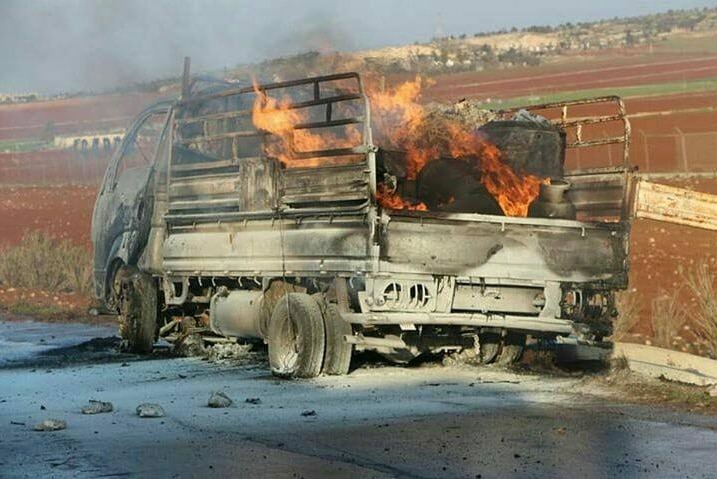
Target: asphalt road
[{"x": 425, "y": 422}]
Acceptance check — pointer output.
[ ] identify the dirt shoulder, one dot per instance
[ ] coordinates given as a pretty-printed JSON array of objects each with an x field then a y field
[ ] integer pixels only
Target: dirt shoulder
[
  {"x": 22, "y": 304},
  {"x": 629, "y": 387},
  {"x": 613, "y": 381}
]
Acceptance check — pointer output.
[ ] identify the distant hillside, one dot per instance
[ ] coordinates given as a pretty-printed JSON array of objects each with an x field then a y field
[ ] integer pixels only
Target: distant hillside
[
  {"x": 685, "y": 30},
  {"x": 505, "y": 48}
]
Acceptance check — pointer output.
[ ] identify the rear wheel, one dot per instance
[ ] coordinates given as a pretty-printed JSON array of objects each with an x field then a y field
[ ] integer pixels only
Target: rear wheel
[
  {"x": 489, "y": 344},
  {"x": 513, "y": 346},
  {"x": 296, "y": 337},
  {"x": 337, "y": 357},
  {"x": 138, "y": 311}
]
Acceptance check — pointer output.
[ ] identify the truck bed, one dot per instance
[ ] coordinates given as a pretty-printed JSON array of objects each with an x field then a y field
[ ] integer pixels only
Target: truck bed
[{"x": 490, "y": 247}]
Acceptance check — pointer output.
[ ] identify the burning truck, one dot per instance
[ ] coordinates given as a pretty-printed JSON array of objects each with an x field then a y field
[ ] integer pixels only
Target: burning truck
[{"x": 324, "y": 219}]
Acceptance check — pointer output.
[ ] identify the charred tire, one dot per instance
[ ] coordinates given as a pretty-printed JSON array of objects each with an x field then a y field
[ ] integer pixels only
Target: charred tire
[
  {"x": 138, "y": 311},
  {"x": 117, "y": 272},
  {"x": 513, "y": 346},
  {"x": 337, "y": 357},
  {"x": 296, "y": 337},
  {"x": 489, "y": 347}
]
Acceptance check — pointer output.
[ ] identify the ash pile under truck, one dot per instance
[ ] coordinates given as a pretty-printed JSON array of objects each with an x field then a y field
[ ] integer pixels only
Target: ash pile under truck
[{"x": 201, "y": 228}]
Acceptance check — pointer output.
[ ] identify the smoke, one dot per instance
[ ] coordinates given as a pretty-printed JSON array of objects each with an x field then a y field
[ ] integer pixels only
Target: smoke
[
  {"x": 77, "y": 45},
  {"x": 318, "y": 34},
  {"x": 69, "y": 45}
]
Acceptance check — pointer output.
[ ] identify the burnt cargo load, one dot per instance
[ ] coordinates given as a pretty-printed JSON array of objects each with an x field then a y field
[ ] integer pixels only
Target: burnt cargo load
[{"x": 269, "y": 212}]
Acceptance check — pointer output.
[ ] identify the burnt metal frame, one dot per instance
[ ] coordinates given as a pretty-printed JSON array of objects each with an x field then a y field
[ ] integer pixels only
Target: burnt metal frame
[
  {"x": 366, "y": 148},
  {"x": 565, "y": 122},
  {"x": 367, "y": 142},
  {"x": 578, "y": 123}
]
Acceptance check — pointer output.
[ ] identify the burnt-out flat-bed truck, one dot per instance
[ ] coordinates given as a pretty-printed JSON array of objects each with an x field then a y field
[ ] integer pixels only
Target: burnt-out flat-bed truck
[{"x": 197, "y": 230}]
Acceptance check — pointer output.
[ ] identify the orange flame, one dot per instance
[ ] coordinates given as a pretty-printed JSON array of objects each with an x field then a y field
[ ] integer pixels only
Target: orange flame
[
  {"x": 276, "y": 116},
  {"x": 399, "y": 122},
  {"x": 391, "y": 199},
  {"x": 403, "y": 123}
]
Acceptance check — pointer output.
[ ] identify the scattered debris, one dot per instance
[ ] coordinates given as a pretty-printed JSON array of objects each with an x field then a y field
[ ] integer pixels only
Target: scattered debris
[
  {"x": 219, "y": 399},
  {"x": 499, "y": 381},
  {"x": 308, "y": 412},
  {"x": 633, "y": 387},
  {"x": 227, "y": 351},
  {"x": 470, "y": 112},
  {"x": 97, "y": 407},
  {"x": 150, "y": 410},
  {"x": 464, "y": 357},
  {"x": 51, "y": 425},
  {"x": 252, "y": 401},
  {"x": 191, "y": 345}
]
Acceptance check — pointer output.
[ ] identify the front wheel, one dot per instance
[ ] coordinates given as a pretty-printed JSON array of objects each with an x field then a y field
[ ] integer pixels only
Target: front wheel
[
  {"x": 138, "y": 311},
  {"x": 296, "y": 337}
]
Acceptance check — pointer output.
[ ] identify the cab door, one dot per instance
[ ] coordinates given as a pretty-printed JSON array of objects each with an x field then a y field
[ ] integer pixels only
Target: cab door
[{"x": 122, "y": 214}]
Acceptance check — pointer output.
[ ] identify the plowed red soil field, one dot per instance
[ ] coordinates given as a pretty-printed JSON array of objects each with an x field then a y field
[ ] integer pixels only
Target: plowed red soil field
[
  {"x": 53, "y": 167},
  {"x": 61, "y": 211},
  {"x": 662, "y": 257},
  {"x": 669, "y": 133},
  {"x": 71, "y": 115},
  {"x": 624, "y": 70}
]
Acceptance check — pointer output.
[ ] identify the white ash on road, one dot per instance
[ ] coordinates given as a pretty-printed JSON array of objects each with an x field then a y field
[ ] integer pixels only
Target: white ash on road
[{"x": 429, "y": 421}]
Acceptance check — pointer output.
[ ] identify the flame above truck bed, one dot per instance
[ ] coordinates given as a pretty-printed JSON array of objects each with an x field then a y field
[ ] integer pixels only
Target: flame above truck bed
[{"x": 400, "y": 122}]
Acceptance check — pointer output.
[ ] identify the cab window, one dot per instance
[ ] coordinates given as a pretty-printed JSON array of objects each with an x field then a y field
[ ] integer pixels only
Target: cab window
[{"x": 139, "y": 150}]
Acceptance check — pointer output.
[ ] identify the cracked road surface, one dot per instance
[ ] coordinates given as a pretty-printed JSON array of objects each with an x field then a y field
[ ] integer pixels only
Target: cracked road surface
[{"x": 424, "y": 422}]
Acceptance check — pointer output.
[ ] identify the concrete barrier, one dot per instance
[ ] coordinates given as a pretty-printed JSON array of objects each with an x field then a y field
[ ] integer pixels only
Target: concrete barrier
[{"x": 672, "y": 365}]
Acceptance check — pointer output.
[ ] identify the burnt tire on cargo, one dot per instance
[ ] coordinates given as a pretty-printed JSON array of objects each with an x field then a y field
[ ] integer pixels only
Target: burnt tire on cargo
[
  {"x": 138, "y": 311},
  {"x": 337, "y": 357},
  {"x": 296, "y": 337},
  {"x": 513, "y": 346}
]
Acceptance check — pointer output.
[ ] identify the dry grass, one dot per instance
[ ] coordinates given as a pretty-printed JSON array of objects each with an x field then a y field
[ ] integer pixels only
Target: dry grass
[
  {"x": 45, "y": 263},
  {"x": 635, "y": 388},
  {"x": 629, "y": 310},
  {"x": 703, "y": 285},
  {"x": 668, "y": 317}
]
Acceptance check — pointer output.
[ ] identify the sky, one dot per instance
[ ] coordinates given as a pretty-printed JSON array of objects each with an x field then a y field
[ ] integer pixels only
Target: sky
[{"x": 51, "y": 46}]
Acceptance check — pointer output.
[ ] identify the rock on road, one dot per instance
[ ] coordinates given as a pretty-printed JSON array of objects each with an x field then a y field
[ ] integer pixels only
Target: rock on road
[{"x": 424, "y": 422}]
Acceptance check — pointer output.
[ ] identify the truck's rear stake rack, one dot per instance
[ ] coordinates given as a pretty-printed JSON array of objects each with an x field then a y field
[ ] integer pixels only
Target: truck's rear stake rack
[{"x": 576, "y": 124}]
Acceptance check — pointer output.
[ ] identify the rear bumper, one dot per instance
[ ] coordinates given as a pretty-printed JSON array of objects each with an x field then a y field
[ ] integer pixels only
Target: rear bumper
[{"x": 526, "y": 323}]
